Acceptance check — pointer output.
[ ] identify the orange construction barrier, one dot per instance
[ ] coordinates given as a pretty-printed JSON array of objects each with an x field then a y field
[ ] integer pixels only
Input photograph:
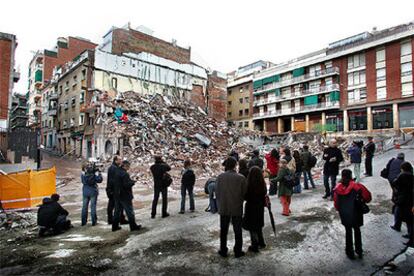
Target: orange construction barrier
[{"x": 26, "y": 189}]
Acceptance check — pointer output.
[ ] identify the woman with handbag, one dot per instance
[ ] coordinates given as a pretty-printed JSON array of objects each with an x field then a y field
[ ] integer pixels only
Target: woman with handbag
[
  {"x": 350, "y": 200},
  {"x": 253, "y": 220}
]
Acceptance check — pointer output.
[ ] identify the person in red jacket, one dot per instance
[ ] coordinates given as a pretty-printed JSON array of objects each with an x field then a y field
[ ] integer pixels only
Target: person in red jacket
[
  {"x": 272, "y": 167},
  {"x": 346, "y": 196}
]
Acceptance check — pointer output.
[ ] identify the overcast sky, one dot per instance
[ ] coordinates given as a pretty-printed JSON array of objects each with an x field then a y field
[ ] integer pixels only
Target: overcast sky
[{"x": 223, "y": 34}]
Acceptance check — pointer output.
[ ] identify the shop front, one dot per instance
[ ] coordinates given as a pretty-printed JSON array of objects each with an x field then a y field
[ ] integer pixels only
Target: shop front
[
  {"x": 406, "y": 112},
  {"x": 358, "y": 119},
  {"x": 382, "y": 117},
  {"x": 334, "y": 122}
]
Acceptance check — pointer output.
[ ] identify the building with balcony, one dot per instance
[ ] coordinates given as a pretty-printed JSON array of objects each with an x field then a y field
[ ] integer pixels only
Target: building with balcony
[
  {"x": 364, "y": 82},
  {"x": 240, "y": 94},
  {"x": 41, "y": 70},
  {"x": 18, "y": 112},
  {"x": 9, "y": 76}
]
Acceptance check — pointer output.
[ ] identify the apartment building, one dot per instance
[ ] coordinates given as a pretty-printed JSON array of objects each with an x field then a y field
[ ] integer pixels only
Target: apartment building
[
  {"x": 18, "y": 112},
  {"x": 41, "y": 70},
  {"x": 8, "y": 76},
  {"x": 360, "y": 83},
  {"x": 240, "y": 94}
]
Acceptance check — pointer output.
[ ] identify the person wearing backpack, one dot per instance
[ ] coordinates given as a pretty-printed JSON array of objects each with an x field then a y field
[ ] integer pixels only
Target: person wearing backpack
[
  {"x": 355, "y": 152},
  {"x": 188, "y": 179},
  {"x": 286, "y": 182},
  {"x": 308, "y": 162},
  {"x": 90, "y": 193},
  {"x": 333, "y": 157},
  {"x": 159, "y": 170},
  {"x": 291, "y": 163},
  {"x": 348, "y": 197}
]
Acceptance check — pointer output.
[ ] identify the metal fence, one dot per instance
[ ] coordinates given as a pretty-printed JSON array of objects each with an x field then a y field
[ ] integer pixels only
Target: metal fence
[{"x": 22, "y": 141}]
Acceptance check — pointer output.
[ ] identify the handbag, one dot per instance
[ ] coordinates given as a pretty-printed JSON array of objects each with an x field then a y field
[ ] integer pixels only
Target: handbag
[
  {"x": 384, "y": 173},
  {"x": 167, "y": 180},
  {"x": 361, "y": 205}
]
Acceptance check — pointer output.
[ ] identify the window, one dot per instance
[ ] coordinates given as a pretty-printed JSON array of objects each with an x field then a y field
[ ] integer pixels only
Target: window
[
  {"x": 73, "y": 101},
  {"x": 381, "y": 93},
  {"x": 356, "y": 61},
  {"x": 65, "y": 123},
  {"x": 246, "y": 112},
  {"x": 66, "y": 85},
  {"x": 328, "y": 81},
  {"x": 241, "y": 112},
  {"x": 60, "y": 90},
  {"x": 407, "y": 89},
  {"x": 72, "y": 122},
  {"x": 246, "y": 100},
  {"x": 82, "y": 97},
  {"x": 246, "y": 124},
  {"x": 75, "y": 80},
  {"x": 240, "y": 124},
  {"x": 406, "y": 69},
  {"x": 381, "y": 74},
  {"x": 380, "y": 55},
  {"x": 246, "y": 87},
  {"x": 241, "y": 89},
  {"x": 406, "y": 49},
  {"x": 81, "y": 119},
  {"x": 229, "y": 92},
  {"x": 356, "y": 78},
  {"x": 229, "y": 102},
  {"x": 66, "y": 105},
  {"x": 241, "y": 100},
  {"x": 328, "y": 64},
  {"x": 83, "y": 74},
  {"x": 229, "y": 114},
  {"x": 357, "y": 95},
  {"x": 114, "y": 83}
]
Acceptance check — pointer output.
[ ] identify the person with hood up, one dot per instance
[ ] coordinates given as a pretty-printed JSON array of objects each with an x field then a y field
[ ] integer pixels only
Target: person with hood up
[
  {"x": 403, "y": 186},
  {"x": 355, "y": 152},
  {"x": 348, "y": 197},
  {"x": 90, "y": 180},
  {"x": 188, "y": 179}
]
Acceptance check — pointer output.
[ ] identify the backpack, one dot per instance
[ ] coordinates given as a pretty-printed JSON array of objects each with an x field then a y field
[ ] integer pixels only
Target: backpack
[
  {"x": 292, "y": 165},
  {"x": 386, "y": 171},
  {"x": 167, "y": 180},
  {"x": 312, "y": 161},
  {"x": 289, "y": 181},
  {"x": 208, "y": 182}
]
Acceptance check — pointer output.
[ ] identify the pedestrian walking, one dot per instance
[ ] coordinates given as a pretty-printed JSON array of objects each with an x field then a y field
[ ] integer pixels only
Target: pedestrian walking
[
  {"x": 256, "y": 160},
  {"x": 272, "y": 168},
  {"x": 90, "y": 180},
  {"x": 188, "y": 179},
  {"x": 369, "y": 155},
  {"x": 355, "y": 153},
  {"x": 298, "y": 164},
  {"x": 285, "y": 190},
  {"x": 349, "y": 196},
  {"x": 243, "y": 169},
  {"x": 159, "y": 172},
  {"x": 403, "y": 186},
  {"x": 393, "y": 170},
  {"x": 230, "y": 191},
  {"x": 253, "y": 219},
  {"x": 123, "y": 196},
  {"x": 112, "y": 170},
  {"x": 307, "y": 165},
  {"x": 333, "y": 157}
]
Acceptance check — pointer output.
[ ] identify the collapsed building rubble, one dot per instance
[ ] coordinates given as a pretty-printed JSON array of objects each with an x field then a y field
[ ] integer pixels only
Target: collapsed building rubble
[{"x": 22, "y": 220}]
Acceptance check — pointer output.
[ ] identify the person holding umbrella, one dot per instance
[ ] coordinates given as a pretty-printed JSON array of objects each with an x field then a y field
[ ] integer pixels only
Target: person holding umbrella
[{"x": 253, "y": 220}]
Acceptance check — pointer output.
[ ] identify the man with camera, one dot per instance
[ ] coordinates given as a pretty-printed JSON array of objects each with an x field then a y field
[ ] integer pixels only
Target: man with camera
[{"x": 90, "y": 179}]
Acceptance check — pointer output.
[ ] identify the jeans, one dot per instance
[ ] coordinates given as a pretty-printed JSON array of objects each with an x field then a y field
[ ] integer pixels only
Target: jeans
[
  {"x": 368, "y": 165},
  {"x": 308, "y": 175},
  {"x": 213, "y": 201},
  {"x": 285, "y": 201},
  {"x": 164, "y": 192},
  {"x": 298, "y": 188},
  {"x": 349, "y": 244},
  {"x": 92, "y": 199},
  {"x": 397, "y": 217},
  {"x": 111, "y": 209},
  {"x": 129, "y": 210},
  {"x": 357, "y": 171},
  {"x": 257, "y": 238},
  {"x": 184, "y": 190},
  {"x": 62, "y": 224},
  {"x": 238, "y": 235},
  {"x": 326, "y": 180}
]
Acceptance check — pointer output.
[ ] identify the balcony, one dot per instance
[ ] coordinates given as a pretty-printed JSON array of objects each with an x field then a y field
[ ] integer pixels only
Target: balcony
[
  {"x": 37, "y": 94},
  {"x": 38, "y": 78},
  {"x": 16, "y": 76},
  {"x": 52, "y": 111},
  {"x": 297, "y": 110},
  {"x": 53, "y": 96},
  {"x": 299, "y": 94},
  {"x": 304, "y": 78}
]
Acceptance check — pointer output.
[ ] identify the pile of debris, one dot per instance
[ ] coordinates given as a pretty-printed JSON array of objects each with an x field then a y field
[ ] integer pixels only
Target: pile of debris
[
  {"x": 170, "y": 127},
  {"x": 20, "y": 220}
]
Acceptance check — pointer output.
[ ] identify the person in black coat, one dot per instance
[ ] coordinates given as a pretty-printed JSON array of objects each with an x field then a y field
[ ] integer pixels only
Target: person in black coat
[
  {"x": 158, "y": 170},
  {"x": 123, "y": 198},
  {"x": 256, "y": 160},
  {"x": 369, "y": 155},
  {"x": 243, "y": 169},
  {"x": 52, "y": 216},
  {"x": 403, "y": 186},
  {"x": 187, "y": 185},
  {"x": 112, "y": 170},
  {"x": 254, "y": 208},
  {"x": 332, "y": 156}
]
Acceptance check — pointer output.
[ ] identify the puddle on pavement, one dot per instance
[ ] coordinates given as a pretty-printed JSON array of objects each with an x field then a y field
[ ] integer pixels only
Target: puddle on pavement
[{"x": 173, "y": 247}]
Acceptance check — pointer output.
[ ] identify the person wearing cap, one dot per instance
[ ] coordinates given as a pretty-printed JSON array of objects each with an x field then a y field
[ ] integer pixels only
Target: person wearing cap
[
  {"x": 256, "y": 160},
  {"x": 394, "y": 169},
  {"x": 123, "y": 198},
  {"x": 369, "y": 155},
  {"x": 158, "y": 170}
]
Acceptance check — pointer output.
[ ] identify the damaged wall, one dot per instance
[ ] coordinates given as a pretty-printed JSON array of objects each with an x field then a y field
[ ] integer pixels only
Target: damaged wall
[{"x": 217, "y": 96}]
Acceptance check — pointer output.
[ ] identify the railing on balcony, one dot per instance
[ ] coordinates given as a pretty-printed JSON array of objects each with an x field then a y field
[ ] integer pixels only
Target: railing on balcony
[
  {"x": 310, "y": 76},
  {"x": 298, "y": 94},
  {"x": 299, "y": 109}
]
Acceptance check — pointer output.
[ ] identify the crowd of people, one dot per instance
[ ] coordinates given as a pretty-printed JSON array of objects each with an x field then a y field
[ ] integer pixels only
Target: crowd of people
[{"x": 240, "y": 194}]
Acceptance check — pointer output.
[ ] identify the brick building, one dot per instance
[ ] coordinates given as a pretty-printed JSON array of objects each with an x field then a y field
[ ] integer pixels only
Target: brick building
[
  {"x": 41, "y": 70},
  {"x": 8, "y": 75},
  {"x": 240, "y": 94},
  {"x": 360, "y": 83}
]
